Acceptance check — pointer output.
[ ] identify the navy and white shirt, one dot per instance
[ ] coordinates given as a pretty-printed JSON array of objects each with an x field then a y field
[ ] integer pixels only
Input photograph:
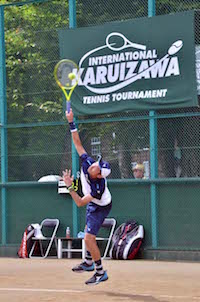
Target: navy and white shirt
[{"x": 95, "y": 187}]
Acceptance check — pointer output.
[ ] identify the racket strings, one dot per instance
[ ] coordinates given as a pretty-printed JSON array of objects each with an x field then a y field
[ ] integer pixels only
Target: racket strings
[{"x": 63, "y": 72}]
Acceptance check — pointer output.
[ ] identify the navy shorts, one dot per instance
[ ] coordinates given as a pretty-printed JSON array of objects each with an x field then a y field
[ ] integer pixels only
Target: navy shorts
[{"x": 95, "y": 216}]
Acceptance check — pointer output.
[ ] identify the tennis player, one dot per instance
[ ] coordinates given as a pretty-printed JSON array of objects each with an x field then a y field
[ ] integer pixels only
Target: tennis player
[{"x": 97, "y": 197}]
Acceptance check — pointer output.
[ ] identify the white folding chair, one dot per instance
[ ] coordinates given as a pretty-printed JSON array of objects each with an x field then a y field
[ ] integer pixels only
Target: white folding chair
[
  {"x": 109, "y": 223},
  {"x": 48, "y": 229}
]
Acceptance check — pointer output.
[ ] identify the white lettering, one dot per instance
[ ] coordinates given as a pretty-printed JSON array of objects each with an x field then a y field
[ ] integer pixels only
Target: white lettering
[
  {"x": 173, "y": 68},
  {"x": 158, "y": 70},
  {"x": 131, "y": 68},
  {"x": 89, "y": 76},
  {"x": 101, "y": 75},
  {"x": 123, "y": 57},
  {"x": 87, "y": 100},
  {"x": 144, "y": 66},
  {"x": 143, "y": 94},
  {"x": 113, "y": 73},
  {"x": 122, "y": 71}
]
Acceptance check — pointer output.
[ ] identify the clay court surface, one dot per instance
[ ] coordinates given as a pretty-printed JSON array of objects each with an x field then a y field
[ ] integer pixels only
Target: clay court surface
[{"x": 33, "y": 280}]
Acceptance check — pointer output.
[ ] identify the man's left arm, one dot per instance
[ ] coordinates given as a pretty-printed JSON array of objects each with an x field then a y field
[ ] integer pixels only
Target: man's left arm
[{"x": 80, "y": 201}]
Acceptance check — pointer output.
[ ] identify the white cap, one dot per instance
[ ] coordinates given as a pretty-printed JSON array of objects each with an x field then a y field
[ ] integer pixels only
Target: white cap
[{"x": 104, "y": 166}]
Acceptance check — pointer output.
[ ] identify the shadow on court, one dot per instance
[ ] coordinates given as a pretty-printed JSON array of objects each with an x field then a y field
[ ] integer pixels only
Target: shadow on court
[
  {"x": 52, "y": 280},
  {"x": 131, "y": 297}
]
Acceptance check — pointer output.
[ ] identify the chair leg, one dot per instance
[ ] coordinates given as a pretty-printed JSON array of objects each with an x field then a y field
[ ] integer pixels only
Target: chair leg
[
  {"x": 106, "y": 249},
  {"x": 109, "y": 241},
  {"x": 59, "y": 251},
  {"x": 56, "y": 244},
  {"x": 41, "y": 248},
  {"x": 32, "y": 250},
  {"x": 49, "y": 247}
]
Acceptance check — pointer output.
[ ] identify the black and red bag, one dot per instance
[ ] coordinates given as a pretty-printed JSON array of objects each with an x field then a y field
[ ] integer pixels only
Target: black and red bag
[
  {"x": 26, "y": 242},
  {"x": 127, "y": 240}
]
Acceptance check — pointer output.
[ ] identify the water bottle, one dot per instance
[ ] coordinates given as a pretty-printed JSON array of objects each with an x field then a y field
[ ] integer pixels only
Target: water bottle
[{"x": 68, "y": 232}]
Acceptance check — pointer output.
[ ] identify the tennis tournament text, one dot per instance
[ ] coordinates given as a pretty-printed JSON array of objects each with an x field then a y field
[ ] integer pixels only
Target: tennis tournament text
[
  {"x": 108, "y": 71},
  {"x": 129, "y": 95}
]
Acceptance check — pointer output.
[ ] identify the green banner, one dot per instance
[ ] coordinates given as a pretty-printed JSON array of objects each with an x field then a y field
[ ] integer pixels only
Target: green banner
[{"x": 141, "y": 64}]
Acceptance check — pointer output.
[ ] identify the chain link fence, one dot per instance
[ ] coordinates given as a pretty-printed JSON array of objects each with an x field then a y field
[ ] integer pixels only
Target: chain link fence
[
  {"x": 36, "y": 133},
  {"x": 39, "y": 142},
  {"x": 178, "y": 142}
]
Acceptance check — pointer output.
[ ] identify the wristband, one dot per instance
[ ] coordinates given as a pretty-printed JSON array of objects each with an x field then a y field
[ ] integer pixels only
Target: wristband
[
  {"x": 72, "y": 126},
  {"x": 70, "y": 188}
]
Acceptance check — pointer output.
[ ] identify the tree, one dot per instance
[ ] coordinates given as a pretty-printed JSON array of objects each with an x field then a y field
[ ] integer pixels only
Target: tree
[{"x": 32, "y": 50}]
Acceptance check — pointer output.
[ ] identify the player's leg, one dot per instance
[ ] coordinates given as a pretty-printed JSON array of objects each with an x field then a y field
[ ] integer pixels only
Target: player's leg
[
  {"x": 84, "y": 266},
  {"x": 87, "y": 265},
  {"x": 92, "y": 253},
  {"x": 92, "y": 247},
  {"x": 95, "y": 219},
  {"x": 100, "y": 275}
]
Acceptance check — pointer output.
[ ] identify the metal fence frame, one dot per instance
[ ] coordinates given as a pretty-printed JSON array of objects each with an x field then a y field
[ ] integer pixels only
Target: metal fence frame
[{"x": 153, "y": 117}]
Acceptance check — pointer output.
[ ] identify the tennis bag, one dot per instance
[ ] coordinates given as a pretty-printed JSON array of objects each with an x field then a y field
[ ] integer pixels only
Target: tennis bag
[
  {"x": 127, "y": 240},
  {"x": 27, "y": 242}
]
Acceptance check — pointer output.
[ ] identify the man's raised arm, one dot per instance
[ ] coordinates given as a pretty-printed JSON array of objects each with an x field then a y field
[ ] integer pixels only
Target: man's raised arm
[{"x": 74, "y": 132}]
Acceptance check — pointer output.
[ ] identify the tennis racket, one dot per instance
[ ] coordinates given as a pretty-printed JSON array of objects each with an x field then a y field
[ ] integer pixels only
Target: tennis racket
[{"x": 66, "y": 73}]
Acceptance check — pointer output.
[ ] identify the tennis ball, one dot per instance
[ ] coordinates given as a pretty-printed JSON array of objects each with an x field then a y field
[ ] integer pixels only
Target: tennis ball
[
  {"x": 71, "y": 76},
  {"x": 176, "y": 46}
]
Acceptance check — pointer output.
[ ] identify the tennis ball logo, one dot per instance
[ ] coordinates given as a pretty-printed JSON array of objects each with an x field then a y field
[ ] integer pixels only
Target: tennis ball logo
[
  {"x": 71, "y": 76},
  {"x": 176, "y": 46}
]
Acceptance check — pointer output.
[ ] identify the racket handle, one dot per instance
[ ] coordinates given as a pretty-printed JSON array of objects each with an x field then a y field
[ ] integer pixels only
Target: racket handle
[{"x": 68, "y": 106}]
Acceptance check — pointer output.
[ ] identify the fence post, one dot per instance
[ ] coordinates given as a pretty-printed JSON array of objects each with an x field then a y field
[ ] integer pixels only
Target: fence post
[
  {"x": 75, "y": 158},
  {"x": 72, "y": 13},
  {"x": 3, "y": 108},
  {"x": 151, "y": 8},
  {"x": 153, "y": 155},
  {"x": 154, "y": 174}
]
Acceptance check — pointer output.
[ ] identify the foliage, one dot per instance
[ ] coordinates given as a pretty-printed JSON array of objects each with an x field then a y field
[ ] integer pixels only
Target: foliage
[
  {"x": 30, "y": 60},
  {"x": 99, "y": 12},
  {"x": 32, "y": 50}
]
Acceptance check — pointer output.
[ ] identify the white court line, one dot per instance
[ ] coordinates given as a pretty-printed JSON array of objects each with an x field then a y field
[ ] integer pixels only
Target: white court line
[{"x": 49, "y": 290}]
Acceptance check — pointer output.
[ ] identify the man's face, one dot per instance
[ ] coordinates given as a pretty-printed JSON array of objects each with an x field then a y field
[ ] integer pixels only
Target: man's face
[
  {"x": 95, "y": 171},
  {"x": 138, "y": 173}
]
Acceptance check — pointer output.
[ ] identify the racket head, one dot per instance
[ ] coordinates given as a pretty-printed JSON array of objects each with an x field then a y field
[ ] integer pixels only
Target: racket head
[{"x": 62, "y": 72}]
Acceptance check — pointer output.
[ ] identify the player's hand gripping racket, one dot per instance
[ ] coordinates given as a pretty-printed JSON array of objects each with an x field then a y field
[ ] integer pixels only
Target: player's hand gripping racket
[{"x": 67, "y": 76}]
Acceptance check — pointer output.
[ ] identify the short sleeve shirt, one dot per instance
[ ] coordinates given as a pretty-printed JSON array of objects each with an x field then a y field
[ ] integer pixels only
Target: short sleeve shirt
[{"x": 97, "y": 185}]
